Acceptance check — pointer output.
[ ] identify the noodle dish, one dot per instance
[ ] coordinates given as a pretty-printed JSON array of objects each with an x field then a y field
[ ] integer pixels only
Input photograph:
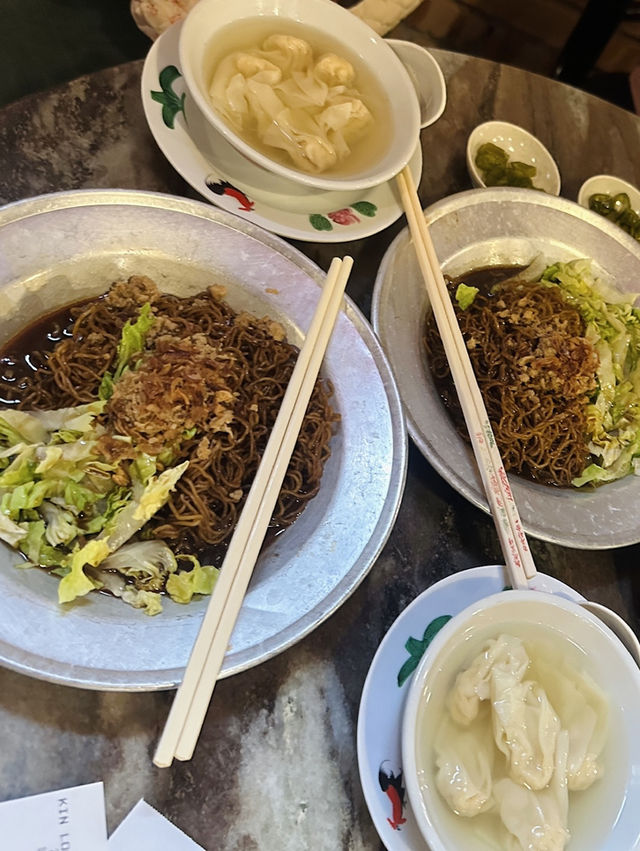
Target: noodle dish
[
  {"x": 556, "y": 352},
  {"x": 545, "y": 293},
  {"x": 252, "y": 298},
  {"x": 129, "y": 446}
]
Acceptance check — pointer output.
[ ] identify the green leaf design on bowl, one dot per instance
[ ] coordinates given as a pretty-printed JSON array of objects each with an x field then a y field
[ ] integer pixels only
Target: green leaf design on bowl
[
  {"x": 172, "y": 103},
  {"x": 416, "y": 647},
  {"x": 365, "y": 208},
  {"x": 319, "y": 222}
]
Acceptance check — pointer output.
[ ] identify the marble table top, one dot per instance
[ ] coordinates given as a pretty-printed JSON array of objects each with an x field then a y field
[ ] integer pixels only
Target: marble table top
[{"x": 276, "y": 767}]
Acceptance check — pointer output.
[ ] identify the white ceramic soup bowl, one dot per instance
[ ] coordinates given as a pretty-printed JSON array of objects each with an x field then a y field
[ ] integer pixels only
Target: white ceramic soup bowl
[
  {"x": 214, "y": 28},
  {"x": 603, "y": 817}
]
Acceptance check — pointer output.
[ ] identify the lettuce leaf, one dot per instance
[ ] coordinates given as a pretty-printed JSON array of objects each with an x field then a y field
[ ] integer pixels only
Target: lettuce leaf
[
  {"x": 148, "y": 563},
  {"x": 10, "y": 531},
  {"x": 465, "y": 295},
  {"x": 38, "y": 549},
  {"x": 21, "y": 427},
  {"x": 149, "y": 601},
  {"x": 142, "y": 507},
  {"x": 76, "y": 583},
  {"x": 132, "y": 343},
  {"x": 120, "y": 527},
  {"x": 78, "y": 418},
  {"x": 181, "y": 586},
  {"x": 27, "y": 495}
]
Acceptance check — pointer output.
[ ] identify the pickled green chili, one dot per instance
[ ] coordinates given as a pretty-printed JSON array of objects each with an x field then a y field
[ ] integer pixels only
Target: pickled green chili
[
  {"x": 618, "y": 209},
  {"x": 498, "y": 170}
]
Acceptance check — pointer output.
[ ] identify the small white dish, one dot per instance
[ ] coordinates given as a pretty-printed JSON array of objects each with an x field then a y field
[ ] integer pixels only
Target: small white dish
[
  {"x": 385, "y": 690},
  {"x": 608, "y": 184},
  {"x": 208, "y": 19},
  {"x": 224, "y": 177},
  {"x": 521, "y": 146},
  {"x": 426, "y": 76},
  {"x": 601, "y": 818}
]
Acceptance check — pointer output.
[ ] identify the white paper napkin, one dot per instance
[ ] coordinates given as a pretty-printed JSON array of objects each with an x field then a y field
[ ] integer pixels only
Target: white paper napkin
[
  {"x": 144, "y": 829},
  {"x": 65, "y": 820}
]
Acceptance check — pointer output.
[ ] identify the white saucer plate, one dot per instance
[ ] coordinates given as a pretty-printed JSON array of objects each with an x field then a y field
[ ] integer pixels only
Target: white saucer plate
[
  {"x": 226, "y": 178},
  {"x": 386, "y": 686}
]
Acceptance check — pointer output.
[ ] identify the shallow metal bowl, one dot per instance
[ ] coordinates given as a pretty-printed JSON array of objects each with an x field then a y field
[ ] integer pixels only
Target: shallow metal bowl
[
  {"x": 503, "y": 226},
  {"x": 59, "y": 248}
]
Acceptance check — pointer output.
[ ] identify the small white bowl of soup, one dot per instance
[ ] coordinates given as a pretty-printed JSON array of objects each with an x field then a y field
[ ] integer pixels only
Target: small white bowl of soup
[
  {"x": 303, "y": 88},
  {"x": 520, "y": 730}
]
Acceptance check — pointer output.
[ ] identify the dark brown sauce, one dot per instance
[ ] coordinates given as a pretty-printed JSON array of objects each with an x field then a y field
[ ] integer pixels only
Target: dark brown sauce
[
  {"x": 485, "y": 277},
  {"x": 29, "y": 349}
]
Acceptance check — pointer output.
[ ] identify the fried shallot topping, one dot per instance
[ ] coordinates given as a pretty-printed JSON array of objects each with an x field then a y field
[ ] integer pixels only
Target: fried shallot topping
[{"x": 179, "y": 386}]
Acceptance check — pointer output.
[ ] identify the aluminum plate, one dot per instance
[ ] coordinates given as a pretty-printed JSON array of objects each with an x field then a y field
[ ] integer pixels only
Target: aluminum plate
[
  {"x": 503, "y": 226},
  {"x": 61, "y": 247}
]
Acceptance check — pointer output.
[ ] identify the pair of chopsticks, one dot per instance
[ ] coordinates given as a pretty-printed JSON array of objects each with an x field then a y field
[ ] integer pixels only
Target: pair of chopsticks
[
  {"x": 192, "y": 699},
  {"x": 513, "y": 541}
]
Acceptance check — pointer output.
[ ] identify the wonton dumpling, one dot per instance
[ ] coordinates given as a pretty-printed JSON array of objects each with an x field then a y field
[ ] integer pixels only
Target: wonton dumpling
[
  {"x": 289, "y": 51},
  {"x": 291, "y": 103},
  {"x": 302, "y": 89},
  {"x": 582, "y": 709},
  {"x": 259, "y": 68},
  {"x": 335, "y": 70},
  {"x": 303, "y": 140},
  {"x": 525, "y": 729},
  {"x": 350, "y": 116},
  {"x": 527, "y": 820},
  {"x": 474, "y": 683},
  {"x": 465, "y": 758},
  {"x": 537, "y": 821}
]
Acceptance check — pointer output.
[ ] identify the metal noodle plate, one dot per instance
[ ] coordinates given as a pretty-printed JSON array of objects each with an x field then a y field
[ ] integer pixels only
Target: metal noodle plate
[
  {"x": 58, "y": 248},
  {"x": 503, "y": 226}
]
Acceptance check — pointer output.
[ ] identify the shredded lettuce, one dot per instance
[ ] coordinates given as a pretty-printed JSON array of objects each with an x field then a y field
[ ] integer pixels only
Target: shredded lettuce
[
  {"x": 613, "y": 328},
  {"x": 119, "y": 528},
  {"x": 69, "y": 509},
  {"x": 132, "y": 343},
  {"x": 149, "y": 562}
]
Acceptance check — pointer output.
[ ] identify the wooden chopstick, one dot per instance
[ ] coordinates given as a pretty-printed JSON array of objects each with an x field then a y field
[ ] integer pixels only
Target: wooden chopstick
[
  {"x": 192, "y": 699},
  {"x": 513, "y": 541}
]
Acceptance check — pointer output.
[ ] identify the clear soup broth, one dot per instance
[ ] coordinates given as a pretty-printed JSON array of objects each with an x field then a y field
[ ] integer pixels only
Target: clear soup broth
[
  {"x": 592, "y": 812},
  {"x": 250, "y": 33}
]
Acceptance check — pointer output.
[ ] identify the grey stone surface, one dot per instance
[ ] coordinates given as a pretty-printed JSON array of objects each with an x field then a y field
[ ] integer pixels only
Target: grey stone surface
[{"x": 276, "y": 767}]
